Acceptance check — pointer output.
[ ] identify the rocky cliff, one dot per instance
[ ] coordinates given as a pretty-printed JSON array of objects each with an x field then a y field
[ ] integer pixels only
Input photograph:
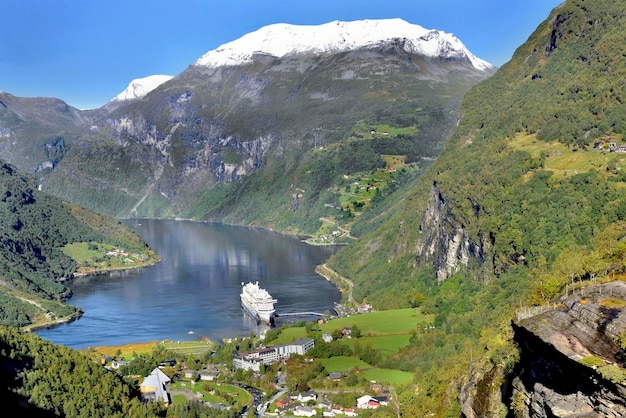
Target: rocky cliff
[
  {"x": 571, "y": 361},
  {"x": 443, "y": 241}
]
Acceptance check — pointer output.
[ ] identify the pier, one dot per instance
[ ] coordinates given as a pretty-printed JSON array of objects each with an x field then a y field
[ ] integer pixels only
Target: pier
[{"x": 280, "y": 315}]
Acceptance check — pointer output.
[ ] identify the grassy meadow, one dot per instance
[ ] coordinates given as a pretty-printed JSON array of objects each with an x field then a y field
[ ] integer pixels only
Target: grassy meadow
[
  {"x": 566, "y": 162},
  {"x": 127, "y": 351},
  {"x": 93, "y": 257},
  {"x": 210, "y": 392},
  {"x": 395, "y": 324},
  {"x": 385, "y": 331}
]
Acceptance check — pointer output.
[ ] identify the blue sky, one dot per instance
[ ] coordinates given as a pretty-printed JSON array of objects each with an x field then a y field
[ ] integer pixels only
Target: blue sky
[{"x": 86, "y": 52}]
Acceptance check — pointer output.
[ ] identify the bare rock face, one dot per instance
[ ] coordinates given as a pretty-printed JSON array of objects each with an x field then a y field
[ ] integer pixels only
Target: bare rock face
[
  {"x": 571, "y": 364},
  {"x": 443, "y": 241}
]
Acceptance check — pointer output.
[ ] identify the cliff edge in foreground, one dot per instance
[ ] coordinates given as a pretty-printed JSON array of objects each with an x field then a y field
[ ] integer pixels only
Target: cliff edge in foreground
[{"x": 572, "y": 358}]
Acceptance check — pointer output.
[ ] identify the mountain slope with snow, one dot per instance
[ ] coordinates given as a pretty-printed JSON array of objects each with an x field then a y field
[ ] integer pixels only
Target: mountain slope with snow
[
  {"x": 292, "y": 114},
  {"x": 281, "y": 39},
  {"x": 139, "y": 87}
]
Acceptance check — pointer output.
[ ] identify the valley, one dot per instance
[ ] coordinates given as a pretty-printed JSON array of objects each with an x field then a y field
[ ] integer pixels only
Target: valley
[{"x": 460, "y": 195}]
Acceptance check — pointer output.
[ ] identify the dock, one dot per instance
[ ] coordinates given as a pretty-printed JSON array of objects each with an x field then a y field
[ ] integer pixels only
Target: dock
[{"x": 280, "y": 315}]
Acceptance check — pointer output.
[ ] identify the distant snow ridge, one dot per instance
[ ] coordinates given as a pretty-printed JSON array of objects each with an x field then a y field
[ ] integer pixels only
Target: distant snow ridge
[
  {"x": 139, "y": 87},
  {"x": 282, "y": 39}
]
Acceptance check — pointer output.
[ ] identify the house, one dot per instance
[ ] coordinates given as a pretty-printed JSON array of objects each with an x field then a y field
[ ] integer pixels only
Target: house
[
  {"x": 307, "y": 396},
  {"x": 335, "y": 376},
  {"x": 364, "y": 308},
  {"x": 281, "y": 403},
  {"x": 190, "y": 374},
  {"x": 153, "y": 388},
  {"x": 350, "y": 412},
  {"x": 209, "y": 375},
  {"x": 383, "y": 400},
  {"x": 367, "y": 402},
  {"x": 337, "y": 410},
  {"x": 327, "y": 337},
  {"x": 116, "y": 364},
  {"x": 168, "y": 363},
  {"x": 346, "y": 331},
  {"x": 105, "y": 359},
  {"x": 304, "y": 411},
  {"x": 324, "y": 405}
]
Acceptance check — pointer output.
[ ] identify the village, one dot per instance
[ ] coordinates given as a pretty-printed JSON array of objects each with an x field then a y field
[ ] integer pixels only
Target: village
[
  {"x": 251, "y": 375},
  {"x": 215, "y": 385}
]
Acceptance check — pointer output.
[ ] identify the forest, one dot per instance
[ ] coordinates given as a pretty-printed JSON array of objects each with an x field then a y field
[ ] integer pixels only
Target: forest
[{"x": 34, "y": 227}]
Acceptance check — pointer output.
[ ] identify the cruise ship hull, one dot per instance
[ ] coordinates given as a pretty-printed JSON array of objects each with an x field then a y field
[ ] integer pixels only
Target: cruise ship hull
[
  {"x": 254, "y": 314},
  {"x": 257, "y": 302}
]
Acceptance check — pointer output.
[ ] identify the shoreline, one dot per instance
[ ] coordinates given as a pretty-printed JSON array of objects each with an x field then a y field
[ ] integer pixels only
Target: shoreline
[
  {"x": 53, "y": 323},
  {"x": 86, "y": 274},
  {"x": 79, "y": 312},
  {"x": 302, "y": 237},
  {"x": 109, "y": 270}
]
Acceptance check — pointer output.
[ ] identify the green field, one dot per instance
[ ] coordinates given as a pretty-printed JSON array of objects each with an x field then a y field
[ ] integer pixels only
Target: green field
[
  {"x": 387, "y": 344},
  {"x": 127, "y": 351},
  {"x": 390, "y": 376},
  {"x": 343, "y": 364},
  {"x": 346, "y": 364},
  {"x": 394, "y": 161},
  {"x": 92, "y": 256},
  {"x": 195, "y": 348},
  {"x": 565, "y": 162},
  {"x": 212, "y": 392},
  {"x": 391, "y": 322},
  {"x": 385, "y": 331},
  {"x": 396, "y": 325}
]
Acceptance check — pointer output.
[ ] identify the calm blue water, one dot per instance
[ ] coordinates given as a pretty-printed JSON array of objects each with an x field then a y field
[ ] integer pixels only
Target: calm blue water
[{"x": 194, "y": 291}]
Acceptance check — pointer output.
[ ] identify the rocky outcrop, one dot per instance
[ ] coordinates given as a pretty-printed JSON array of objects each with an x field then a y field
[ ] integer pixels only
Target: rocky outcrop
[
  {"x": 443, "y": 240},
  {"x": 480, "y": 395},
  {"x": 571, "y": 361}
]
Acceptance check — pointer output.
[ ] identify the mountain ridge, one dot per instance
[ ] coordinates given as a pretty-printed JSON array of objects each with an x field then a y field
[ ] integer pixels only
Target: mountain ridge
[
  {"x": 211, "y": 126},
  {"x": 280, "y": 40},
  {"x": 139, "y": 87}
]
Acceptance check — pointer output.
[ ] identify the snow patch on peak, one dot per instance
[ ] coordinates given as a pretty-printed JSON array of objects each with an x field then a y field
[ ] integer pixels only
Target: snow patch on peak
[
  {"x": 283, "y": 39},
  {"x": 139, "y": 87}
]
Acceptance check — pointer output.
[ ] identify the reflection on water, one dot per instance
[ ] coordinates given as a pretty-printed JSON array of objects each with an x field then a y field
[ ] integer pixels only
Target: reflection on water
[{"x": 195, "y": 290}]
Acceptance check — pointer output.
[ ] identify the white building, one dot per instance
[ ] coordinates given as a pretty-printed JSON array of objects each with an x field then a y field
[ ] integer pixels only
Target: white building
[
  {"x": 304, "y": 411},
  {"x": 253, "y": 359},
  {"x": 209, "y": 375}
]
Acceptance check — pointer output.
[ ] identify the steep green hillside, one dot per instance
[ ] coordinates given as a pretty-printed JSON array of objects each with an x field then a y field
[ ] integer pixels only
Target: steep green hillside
[
  {"x": 525, "y": 200},
  {"x": 41, "y": 379},
  {"x": 35, "y": 231}
]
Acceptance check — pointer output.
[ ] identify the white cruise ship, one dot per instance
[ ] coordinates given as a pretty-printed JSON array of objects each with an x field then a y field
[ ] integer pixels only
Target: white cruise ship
[{"x": 258, "y": 302}]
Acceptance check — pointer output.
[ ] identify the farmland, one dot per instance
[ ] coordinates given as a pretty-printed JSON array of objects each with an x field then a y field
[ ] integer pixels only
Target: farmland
[{"x": 385, "y": 332}]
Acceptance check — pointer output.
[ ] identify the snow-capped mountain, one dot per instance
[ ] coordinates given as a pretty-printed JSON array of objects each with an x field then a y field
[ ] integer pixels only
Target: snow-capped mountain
[
  {"x": 280, "y": 40},
  {"x": 139, "y": 87},
  {"x": 311, "y": 91}
]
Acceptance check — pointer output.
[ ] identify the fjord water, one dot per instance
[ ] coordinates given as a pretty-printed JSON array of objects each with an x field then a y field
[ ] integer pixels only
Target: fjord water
[{"x": 194, "y": 291}]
